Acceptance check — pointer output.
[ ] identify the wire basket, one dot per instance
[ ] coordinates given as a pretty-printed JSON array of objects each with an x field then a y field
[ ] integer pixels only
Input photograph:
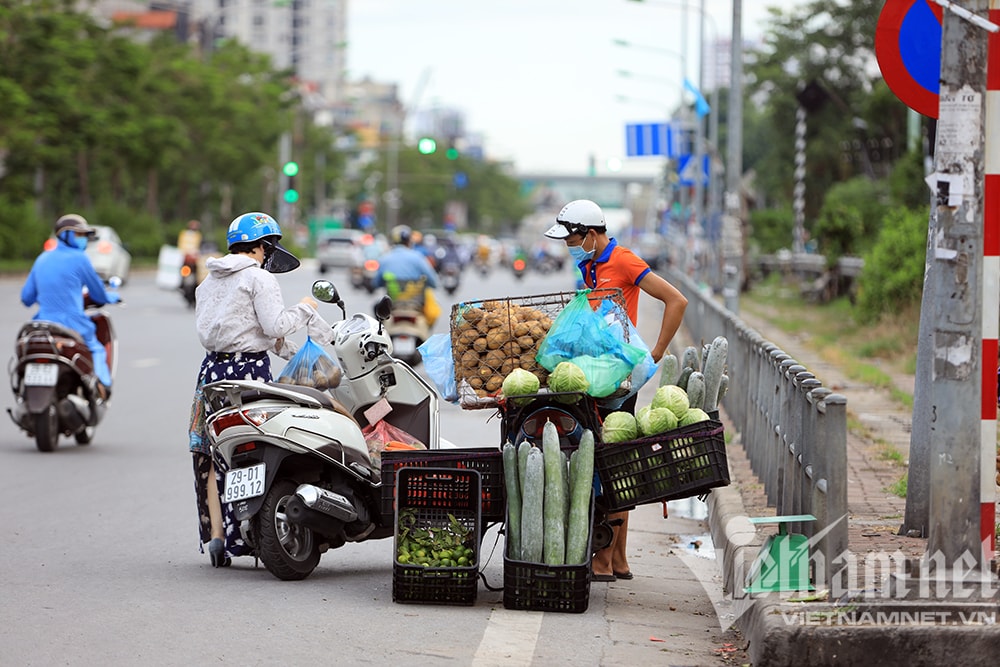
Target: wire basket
[
  {"x": 685, "y": 462},
  {"x": 492, "y": 337}
]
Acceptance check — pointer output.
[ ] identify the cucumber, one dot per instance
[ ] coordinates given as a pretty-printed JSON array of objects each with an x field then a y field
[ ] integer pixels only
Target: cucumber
[
  {"x": 682, "y": 381},
  {"x": 669, "y": 369},
  {"x": 532, "y": 528},
  {"x": 553, "y": 525},
  {"x": 566, "y": 492},
  {"x": 690, "y": 359},
  {"x": 715, "y": 366},
  {"x": 512, "y": 483},
  {"x": 581, "y": 488},
  {"x": 696, "y": 389},
  {"x": 723, "y": 388},
  {"x": 522, "y": 459}
]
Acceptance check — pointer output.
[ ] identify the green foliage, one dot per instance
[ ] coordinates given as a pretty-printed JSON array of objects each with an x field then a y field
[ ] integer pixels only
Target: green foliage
[
  {"x": 893, "y": 276},
  {"x": 771, "y": 229},
  {"x": 850, "y": 218},
  {"x": 906, "y": 182}
]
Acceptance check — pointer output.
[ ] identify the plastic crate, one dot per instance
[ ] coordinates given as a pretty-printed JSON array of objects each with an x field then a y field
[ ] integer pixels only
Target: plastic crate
[
  {"x": 503, "y": 334},
  {"x": 488, "y": 462},
  {"x": 541, "y": 587},
  {"x": 684, "y": 462},
  {"x": 433, "y": 497}
]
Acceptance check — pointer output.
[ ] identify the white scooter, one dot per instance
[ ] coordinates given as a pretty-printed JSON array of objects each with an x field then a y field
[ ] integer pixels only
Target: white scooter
[{"x": 300, "y": 476}]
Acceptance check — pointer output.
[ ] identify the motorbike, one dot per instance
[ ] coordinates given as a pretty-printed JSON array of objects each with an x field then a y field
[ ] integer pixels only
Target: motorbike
[
  {"x": 299, "y": 473},
  {"x": 363, "y": 275},
  {"x": 189, "y": 279},
  {"x": 519, "y": 266},
  {"x": 449, "y": 274},
  {"x": 408, "y": 326},
  {"x": 52, "y": 377}
]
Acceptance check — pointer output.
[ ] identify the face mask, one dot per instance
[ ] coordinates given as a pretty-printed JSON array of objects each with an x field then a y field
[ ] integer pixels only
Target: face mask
[
  {"x": 80, "y": 241},
  {"x": 579, "y": 254}
]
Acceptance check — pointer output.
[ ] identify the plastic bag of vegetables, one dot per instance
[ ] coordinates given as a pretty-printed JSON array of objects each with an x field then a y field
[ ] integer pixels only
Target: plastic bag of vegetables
[{"x": 311, "y": 367}]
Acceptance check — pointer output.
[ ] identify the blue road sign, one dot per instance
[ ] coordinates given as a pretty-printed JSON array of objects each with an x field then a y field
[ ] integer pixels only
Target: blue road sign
[
  {"x": 908, "y": 50},
  {"x": 650, "y": 139},
  {"x": 687, "y": 171}
]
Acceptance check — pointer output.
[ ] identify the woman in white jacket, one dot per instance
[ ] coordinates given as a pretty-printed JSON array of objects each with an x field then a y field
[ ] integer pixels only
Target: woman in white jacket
[{"x": 241, "y": 318}]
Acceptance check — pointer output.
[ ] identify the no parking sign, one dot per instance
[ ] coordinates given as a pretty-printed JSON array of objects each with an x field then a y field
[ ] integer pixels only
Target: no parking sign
[{"x": 908, "y": 49}]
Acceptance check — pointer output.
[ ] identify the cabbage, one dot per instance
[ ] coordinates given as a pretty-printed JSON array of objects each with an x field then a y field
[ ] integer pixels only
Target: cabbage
[
  {"x": 657, "y": 420},
  {"x": 619, "y": 427},
  {"x": 520, "y": 381},
  {"x": 567, "y": 376},
  {"x": 673, "y": 397},
  {"x": 642, "y": 413},
  {"x": 693, "y": 416}
]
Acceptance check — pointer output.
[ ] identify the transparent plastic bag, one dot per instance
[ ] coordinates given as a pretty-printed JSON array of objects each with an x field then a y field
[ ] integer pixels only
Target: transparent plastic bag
[
  {"x": 382, "y": 435},
  {"x": 440, "y": 365},
  {"x": 311, "y": 366}
]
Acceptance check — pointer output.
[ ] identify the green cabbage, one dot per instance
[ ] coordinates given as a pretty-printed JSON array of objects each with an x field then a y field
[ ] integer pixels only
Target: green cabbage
[
  {"x": 619, "y": 427},
  {"x": 657, "y": 420},
  {"x": 520, "y": 381},
  {"x": 567, "y": 376},
  {"x": 672, "y": 397},
  {"x": 693, "y": 416}
]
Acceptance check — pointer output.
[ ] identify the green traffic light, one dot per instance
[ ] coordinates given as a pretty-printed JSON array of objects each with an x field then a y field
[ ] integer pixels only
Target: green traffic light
[
  {"x": 452, "y": 153},
  {"x": 426, "y": 146},
  {"x": 291, "y": 196},
  {"x": 290, "y": 168}
]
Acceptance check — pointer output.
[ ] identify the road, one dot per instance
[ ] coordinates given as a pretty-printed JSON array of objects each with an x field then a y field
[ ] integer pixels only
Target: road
[{"x": 100, "y": 551}]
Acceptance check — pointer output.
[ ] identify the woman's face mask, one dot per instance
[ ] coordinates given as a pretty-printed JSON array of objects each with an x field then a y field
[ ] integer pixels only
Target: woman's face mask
[{"x": 578, "y": 253}]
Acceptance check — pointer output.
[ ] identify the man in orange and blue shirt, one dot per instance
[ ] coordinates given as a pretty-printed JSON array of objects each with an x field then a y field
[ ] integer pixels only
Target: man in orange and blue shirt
[{"x": 605, "y": 265}]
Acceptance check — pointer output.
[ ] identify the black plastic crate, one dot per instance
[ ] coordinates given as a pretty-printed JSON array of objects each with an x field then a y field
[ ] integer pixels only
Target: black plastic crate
[
  {"x": 436, "y": 499},
  {"x": 541, "y": 587},
  {"x": 487, "y": 462},
  {"x": 684, "y": 462}
]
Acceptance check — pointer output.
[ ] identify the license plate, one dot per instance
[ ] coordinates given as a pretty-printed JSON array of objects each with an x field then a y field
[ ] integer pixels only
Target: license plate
[
  {"x": 41, "y": 375},
  {"x": 243, "y": 483},
  {"x": 404, "y": 345}
]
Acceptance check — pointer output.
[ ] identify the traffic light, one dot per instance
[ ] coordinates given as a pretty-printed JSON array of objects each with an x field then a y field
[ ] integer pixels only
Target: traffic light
[
  {"x": 290, "y": 169},
  {"x": 452, "y": 153},
  {"x": 426, "y": 146}
]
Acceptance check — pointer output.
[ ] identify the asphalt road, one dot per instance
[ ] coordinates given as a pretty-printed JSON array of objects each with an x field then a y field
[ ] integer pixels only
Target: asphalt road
[{"x": 99, "y": 549}]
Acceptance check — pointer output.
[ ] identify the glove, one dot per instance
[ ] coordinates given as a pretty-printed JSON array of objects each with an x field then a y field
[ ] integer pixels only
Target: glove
[{"x": 114, "y": 297}]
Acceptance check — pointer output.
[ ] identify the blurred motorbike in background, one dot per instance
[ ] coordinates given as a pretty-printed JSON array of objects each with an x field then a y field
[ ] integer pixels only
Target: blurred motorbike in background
[{"x": 52, "y": 377}]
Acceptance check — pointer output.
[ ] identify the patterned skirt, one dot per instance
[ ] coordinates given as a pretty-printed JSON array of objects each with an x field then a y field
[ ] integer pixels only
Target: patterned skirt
[{"x": 219, "y": 366}]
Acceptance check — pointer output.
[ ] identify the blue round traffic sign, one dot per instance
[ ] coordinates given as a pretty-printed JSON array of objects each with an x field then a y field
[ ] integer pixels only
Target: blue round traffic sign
[{"x": 908, "y": 49}]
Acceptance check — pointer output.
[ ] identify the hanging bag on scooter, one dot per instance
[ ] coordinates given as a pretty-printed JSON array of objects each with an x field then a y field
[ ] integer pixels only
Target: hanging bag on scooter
[
  {"x": 582, "y": 336},
  {"x": 311, "y": 367}
]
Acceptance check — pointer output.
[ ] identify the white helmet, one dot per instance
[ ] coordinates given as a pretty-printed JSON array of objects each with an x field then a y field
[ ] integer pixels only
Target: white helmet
[{"x": 577, "y": 217}]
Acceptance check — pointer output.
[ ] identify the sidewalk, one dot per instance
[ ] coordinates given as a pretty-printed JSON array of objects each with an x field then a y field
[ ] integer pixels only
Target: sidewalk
[{"x": 772, "y": 627}]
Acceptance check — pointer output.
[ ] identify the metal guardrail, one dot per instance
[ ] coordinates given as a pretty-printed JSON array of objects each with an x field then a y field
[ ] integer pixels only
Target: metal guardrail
[{"x": 793, "y": 429}]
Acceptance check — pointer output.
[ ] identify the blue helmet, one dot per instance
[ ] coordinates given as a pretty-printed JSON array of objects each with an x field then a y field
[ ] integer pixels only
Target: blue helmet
[{"x": 251, "y": 227}]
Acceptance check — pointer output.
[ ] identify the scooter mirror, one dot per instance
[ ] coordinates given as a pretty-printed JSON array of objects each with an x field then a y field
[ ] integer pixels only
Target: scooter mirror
[
  {"x": 325, "y": 291},
  {"x": 383, "y": 308}
]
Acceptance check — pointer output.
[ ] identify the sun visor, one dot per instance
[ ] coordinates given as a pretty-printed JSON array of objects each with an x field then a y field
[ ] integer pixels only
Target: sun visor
[{"x": 281, "y": 261}]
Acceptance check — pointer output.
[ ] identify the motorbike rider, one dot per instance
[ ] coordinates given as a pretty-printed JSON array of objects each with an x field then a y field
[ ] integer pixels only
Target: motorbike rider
[
  {"x": 241, "y": 318},
  {"x": 406, "y": 273},
  {"x": 56, "y": 284}
]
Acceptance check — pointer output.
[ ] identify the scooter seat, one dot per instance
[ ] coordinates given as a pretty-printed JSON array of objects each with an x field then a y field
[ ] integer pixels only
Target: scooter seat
[
  {"x": 325, "y": 399},
  {"x": 51, "y": 328}
]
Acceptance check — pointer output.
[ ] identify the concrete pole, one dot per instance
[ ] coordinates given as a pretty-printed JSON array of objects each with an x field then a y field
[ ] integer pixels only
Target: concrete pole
[
  {"x": 732, "y": 225},
  {"x": 699, "y": 145},
  {"x": 284, "y": 155},
  {"x": 956, "y": 282}
]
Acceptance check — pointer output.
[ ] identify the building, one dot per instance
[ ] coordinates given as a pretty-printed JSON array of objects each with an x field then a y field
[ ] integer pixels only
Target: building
[{"x": 308, "y": 37}]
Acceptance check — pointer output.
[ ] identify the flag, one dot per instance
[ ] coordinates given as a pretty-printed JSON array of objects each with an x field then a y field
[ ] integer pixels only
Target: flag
[{"x": 700, "y": 104}]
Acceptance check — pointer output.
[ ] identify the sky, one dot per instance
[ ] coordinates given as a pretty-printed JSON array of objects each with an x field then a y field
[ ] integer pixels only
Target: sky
[{"x": 542, "y": 80}]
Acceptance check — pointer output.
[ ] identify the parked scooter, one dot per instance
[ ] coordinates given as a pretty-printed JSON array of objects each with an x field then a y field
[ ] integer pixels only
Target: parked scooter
[
  {"x": 300, "y": 476},
  {"x": 52, "y": 377}
]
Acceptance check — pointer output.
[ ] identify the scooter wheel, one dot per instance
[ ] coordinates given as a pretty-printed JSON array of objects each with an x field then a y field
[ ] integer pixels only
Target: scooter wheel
[
  {"x": 288, "y": 551},
  {"x": 85, "y": 435},
  {"x": 47, "y": 429}
]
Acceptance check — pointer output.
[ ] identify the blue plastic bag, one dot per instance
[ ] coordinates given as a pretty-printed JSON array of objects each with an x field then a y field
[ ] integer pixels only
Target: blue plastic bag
[
  {"x": 581, "y": 335},
  {"x": 645, "y": 369},
  {"x": 440, "y": 365}
]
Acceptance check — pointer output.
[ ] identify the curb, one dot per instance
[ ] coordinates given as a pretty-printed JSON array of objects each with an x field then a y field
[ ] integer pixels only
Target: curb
[{"x": 793, "y": 634}]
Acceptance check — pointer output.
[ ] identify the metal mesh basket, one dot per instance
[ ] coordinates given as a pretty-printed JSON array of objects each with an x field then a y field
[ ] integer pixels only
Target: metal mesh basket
[{"x": 492, "y": 337}]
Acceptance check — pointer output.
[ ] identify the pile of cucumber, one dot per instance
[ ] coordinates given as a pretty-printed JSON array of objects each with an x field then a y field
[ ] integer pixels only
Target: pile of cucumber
[
  {"x": 548, "y": 500},
  {"x": 703, "y": 376}
]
